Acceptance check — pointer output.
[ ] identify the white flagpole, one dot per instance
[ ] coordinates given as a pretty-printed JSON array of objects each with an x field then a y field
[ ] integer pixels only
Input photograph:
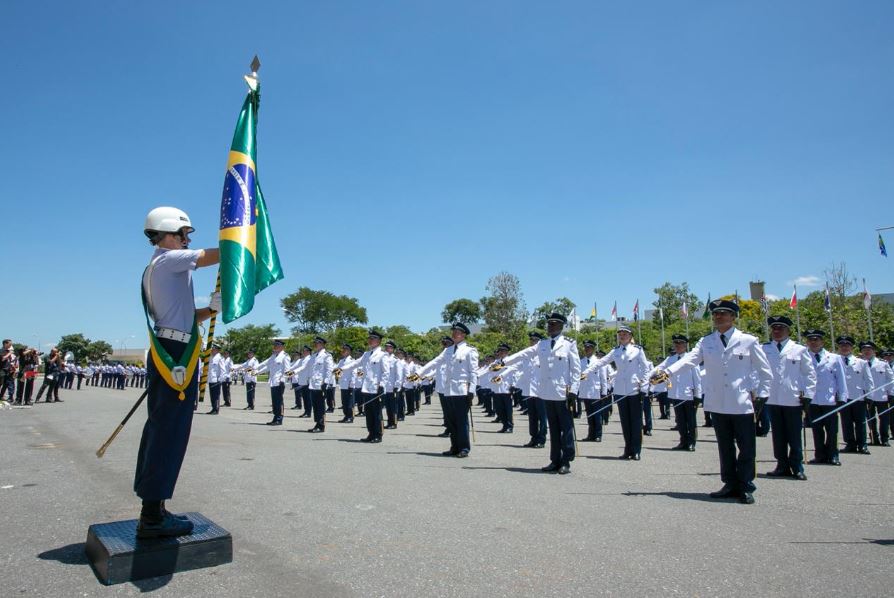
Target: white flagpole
[
  {"x": 798, "y": 313},
  {"x": 868, "y": 308},
  {"x": 831, "y": 325},
  {"x": 639, "y": 331}
]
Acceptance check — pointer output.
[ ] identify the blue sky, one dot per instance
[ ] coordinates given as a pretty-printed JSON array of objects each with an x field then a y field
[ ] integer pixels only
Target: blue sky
[{"x": 410, "y": 150}]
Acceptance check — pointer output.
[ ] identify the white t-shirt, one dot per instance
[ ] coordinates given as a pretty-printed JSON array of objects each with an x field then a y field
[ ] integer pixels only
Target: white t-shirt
[{"x": 168, "y": 285}]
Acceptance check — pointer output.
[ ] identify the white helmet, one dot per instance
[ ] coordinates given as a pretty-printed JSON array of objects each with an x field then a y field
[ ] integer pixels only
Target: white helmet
[{"x": 166, "y": 220}]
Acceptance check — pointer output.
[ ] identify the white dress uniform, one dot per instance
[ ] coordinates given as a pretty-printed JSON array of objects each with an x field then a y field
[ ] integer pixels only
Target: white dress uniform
[
  {"x": 794, "y": 381},
  {"x": 276, "y": 365},
  {"x": 731, "y": 373},
  {"x": 860, "y": 384},
  {"x": 319, "y": 367},
  {"x": 375, "y": 380},
  {"x": 684, "y": 388},
  {"x": 630, "y": 380},
  {"x": 831, "y": 388},
  {"x": 460, "y": 362},
  {"x": 344, "y": 388}
]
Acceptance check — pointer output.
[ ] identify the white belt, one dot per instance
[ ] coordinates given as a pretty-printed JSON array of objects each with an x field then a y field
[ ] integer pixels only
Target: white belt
[{"x": 172, "y": 334}]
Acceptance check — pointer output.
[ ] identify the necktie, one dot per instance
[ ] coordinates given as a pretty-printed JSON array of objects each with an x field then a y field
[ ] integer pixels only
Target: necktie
[
  {"x": 817, "y": 357},
  {"x": 845, "y": 361},
  {"x": 454, "y": 349},
  {"x": 552, "y": 344},
  {"x": 779, "y": 347},
  {"x": 723, "y": 339}
]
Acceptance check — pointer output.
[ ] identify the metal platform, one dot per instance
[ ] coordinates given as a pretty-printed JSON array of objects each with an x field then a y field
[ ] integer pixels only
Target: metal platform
[{"x": 117, "y": 556}]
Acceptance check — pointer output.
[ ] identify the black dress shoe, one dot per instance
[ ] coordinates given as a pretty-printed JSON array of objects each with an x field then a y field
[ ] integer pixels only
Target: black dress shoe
[
  {"x": 246, "y": 408},
  {"x": 564, "y": 470},
  {"x": 675, "y": 429},
  {"x": 647, "y": 432},
  {"x": 367, "y": 439},
  {"x": 330, "y": 410},
  {"x": 538, "y": 445},
  {"x": 444, "y": 434},
  {"x": 529, "y": 444},
  {"x": 726, "y": 492},
  {"x": 315, "y": 430},
  {"x": 597, "y": 439},
  {"x": 779, "y": 473},
  {"x": 275, "y": 422},
  {"x": 167, "y": 526},
  {"x": 863, "y": 450},
  {"x": 746, "y": 498},
  {"x": 817, "y": 461},
  {"x": 691, "y": 448},
  {"x": 376, "y": 440},
  {"x": 462, "y": 454},
  {"x": 343, "y": 420},
  {"x": 550, "y": 468},
  {"x": 680, "y": 447},
  {"x": 635, "y": 456},
  {"x": 212, "y": 412},
  {"x": 295, "y": 407},
  {"x": 800, "y": 476},
  {"x": 849, "y": 449},
  {"x": 624, "y": 456},
  {"x": 450, "y": 453},
  {"x": 885, "y": 443},
  {"x": 497, "y": 421},
  {"x": 835, "y": 461},
  {"x": 349, "y": 420}
]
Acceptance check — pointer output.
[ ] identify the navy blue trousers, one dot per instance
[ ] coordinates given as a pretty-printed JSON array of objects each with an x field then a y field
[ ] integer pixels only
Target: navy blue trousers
[
  {"x": 503, "y": 407},
  {"x": 561, "y": 433},
  {"x": 318, "y": 404},
  {"x": 536, "y": 419},
  {"x": 825, "y": 433},
  {"x": 630, "y": 409},
  {"x": 347, "y": 402},
  {"x": 441, "y": 400},
  {"x": 736, "y": 430},
  {"x": 250, "y": 393},
  {"x": 214, "y": 392},
  {"x": 853, "y": 425},
  {"x": 787, "y": 446},
  {"x": 687, "y": 424},
  {"x": 166, "y": 432},
  {"x": 647, "y": 413},
  {"x": 457, "y": 412},
  {"x": 276, "y": 394},
  {"x": 373, "y": 412},
  {"x": 594, "y": 422}
]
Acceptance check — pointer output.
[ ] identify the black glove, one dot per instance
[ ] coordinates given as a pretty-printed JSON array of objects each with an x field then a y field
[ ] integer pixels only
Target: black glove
[
  {"x": 805, "y": 402},
  {"x": 839, "y": 403},
  {"x": 323, "y": 387},
  {"x": 571, "y": 400}
]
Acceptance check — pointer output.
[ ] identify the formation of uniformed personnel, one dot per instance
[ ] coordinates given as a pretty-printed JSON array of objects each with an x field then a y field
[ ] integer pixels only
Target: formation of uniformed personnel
[
  {"x": 172, "y": 391},
  {"x": 460, "y": 362},
  {"x": 684, "y": 391},
  {"x": 558, "y": 383},
  {"x": 629, "y": 381},
  {"x": 882, "y": 380},
  {"x": 792, "y": 388},
  {"x": 734, "y": 363}
]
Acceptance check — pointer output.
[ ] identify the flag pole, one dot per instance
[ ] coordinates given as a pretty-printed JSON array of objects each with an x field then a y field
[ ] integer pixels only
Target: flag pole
[
  {"x": 639, "y": 330},
  {"x": 596, "y": 324},
  {"x": 661, "y": 317},
  {"x": 687, "y": 321},
  {"x": 798, "y": 314},
  {"x": 831, "y": 325},
  {"x": 206, "y": 354},
  {"x": 867, "y": 305}
]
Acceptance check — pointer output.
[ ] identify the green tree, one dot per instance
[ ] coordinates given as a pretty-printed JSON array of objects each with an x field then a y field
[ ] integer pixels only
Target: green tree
[
  {"x": 76, "y": 343},
  {"x": 461, "y": 310},
  {"x": 321, "y": 311},
  {"x": 671, "y": 299},
  {"x": 504, "y": 305},
  {"x": 562, "y": 305},
  {"x": 238, "y": 341},
  {"x": 98, "y": 350}
]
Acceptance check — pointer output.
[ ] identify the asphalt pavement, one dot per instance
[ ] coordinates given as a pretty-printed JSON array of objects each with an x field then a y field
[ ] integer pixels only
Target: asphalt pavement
[{"x": 327, "y": 515}]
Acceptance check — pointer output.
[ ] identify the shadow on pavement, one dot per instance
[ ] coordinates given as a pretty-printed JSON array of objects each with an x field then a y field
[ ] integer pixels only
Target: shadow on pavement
[
  {"x": 513, "y": 469},
  {"x": 698, "y": 496},
  {"x": 73, "y": 554}
]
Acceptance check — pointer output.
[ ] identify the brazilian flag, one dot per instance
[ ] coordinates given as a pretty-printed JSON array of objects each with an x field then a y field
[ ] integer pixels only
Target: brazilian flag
[{"x": 248, "y": 259}]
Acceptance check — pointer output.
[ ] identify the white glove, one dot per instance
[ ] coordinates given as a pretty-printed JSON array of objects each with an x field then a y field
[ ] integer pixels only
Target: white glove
[{"x": 214, "y": 305}]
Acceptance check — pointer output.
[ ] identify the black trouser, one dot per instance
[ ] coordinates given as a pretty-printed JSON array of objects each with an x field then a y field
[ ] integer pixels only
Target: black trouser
[
  {"x": 347, "y": 402},
  {"x": 503, "y": 407},
  {"x": 663, "y": 405},
  {"x": 214, "y": 388},
  {"x": 297, "y": 391},
  {"x": 825, "y": 433},
  {"x": 373, "y": 411},
  {"x": 594, "y": 422},
  {"x": 687, "y": 424},
  {"x": 630, "y": 409},
  {"x": 400, "y": 398},
  {"x": 647, "y": 413},
  {"x": 7, "y": 385},
  {"x": 537, "y": 423},
  {"x": 80, "y": 379},
  {"x": 329, "y": 393},
  {"x": 48, "y": 385},
  {"x": 318, "y": 405},
  {"x": 457, "y": 412},
  {"x": 561, "y": 433},
  {"x": 487, "y": 400},
  {"x": 736, "y": 430},
  {"x": 25, "y": 390},
  {"x": 225, "y": 386},
  {"x": 358, "y": 400},
  {"x": 853, "y": 425},
  {"x": 442, "y": 401},
  {"x": 410, "y": 394},
  {"x": 787, "y": 425},
  {"x": 250, "y": 394},
  {"x": 882, "y": 423},
  {"x": 166, "y": 433},
  {"x": 276, "y": 393},
  {"x": 427, "y": 389},
  {"x": 391, "y": 400}
]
